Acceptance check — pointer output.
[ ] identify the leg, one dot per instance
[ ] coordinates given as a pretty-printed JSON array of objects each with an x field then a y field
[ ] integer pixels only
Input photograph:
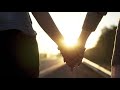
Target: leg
[
  {"x": 115, "y": 71},
  {"x": 115, "y": 68},
  {"x": 27, "y": 55},
  {"x": 19, "y": 56},
  {"x": 7, "y": 59}
]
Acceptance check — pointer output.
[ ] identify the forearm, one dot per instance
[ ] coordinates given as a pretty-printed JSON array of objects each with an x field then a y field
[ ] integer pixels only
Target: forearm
[
  {"x": 90, "y": 24},
  {"x": 92, "y": 20},
  {"x": 83, "y": 37},
  {"x": 46, "y": 22}
]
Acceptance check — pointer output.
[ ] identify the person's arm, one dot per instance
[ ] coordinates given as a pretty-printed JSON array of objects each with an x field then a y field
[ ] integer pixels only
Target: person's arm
[
  {"x": 90, "y": 24},
  {"x": 46, "y": 22}
]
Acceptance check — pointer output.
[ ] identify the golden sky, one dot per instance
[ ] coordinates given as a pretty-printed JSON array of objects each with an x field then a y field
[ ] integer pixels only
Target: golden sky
[{"x": 70, "y": 24}]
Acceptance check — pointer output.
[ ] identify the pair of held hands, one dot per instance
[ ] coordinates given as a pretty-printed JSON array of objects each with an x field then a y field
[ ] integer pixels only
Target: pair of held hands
[{"x": 72, "y": 56}]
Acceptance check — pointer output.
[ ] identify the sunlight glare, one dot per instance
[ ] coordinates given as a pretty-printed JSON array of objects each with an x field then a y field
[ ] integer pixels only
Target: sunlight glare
[
  {"x": 70, "y": 25},
  {"x": 93, "y": 39},
  {"x": 70, "y": 43}
]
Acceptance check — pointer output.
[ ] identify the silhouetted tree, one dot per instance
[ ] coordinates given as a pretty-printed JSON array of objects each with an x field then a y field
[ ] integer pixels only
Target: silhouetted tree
[{"x": 102, "y": 52}]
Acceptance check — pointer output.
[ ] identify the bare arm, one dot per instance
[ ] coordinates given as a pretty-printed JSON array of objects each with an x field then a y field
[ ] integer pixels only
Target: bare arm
[
  {"x": 90, "y": 24},
  {"x": 46, "y": 22}
]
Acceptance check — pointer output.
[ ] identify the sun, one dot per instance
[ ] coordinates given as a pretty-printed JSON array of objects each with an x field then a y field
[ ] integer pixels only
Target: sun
[{"x": 70, "y": 42}]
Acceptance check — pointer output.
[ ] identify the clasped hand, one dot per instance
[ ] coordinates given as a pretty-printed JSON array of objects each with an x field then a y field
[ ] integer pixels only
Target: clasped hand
[{"x": 72, "y": 55}]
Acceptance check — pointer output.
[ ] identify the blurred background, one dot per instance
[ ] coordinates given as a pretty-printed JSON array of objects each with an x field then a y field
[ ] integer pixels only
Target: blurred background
[{"x": 99, "y": 45}]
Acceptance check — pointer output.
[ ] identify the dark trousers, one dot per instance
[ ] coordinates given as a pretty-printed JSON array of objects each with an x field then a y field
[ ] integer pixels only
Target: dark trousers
[
  {"x": 19, "y": 56},
  {"x": 116, "y": 50},
  {"x": 115, "y": 68}
]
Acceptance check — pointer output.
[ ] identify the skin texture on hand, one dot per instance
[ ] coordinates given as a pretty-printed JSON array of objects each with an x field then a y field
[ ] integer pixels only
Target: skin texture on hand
[{"x": 72, "y": 56}]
